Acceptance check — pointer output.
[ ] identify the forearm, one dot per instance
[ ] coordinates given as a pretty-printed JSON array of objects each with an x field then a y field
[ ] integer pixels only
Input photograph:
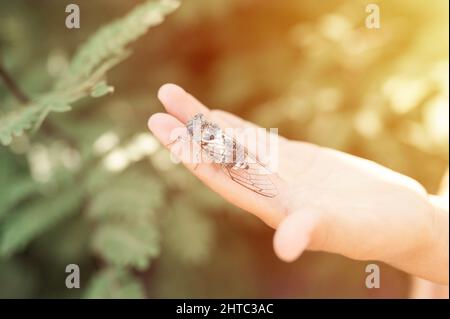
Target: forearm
[{"x": 431, "y": 260}]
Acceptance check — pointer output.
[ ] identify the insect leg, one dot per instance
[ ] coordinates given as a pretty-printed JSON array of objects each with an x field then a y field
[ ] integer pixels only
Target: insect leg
[{"x": 177, "y": 139}]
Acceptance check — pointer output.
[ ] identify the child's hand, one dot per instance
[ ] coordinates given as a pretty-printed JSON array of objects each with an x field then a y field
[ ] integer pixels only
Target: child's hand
[{"x": 328, "y": 201}]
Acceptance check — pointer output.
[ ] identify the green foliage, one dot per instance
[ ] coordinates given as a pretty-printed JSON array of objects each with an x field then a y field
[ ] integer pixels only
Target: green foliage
[
  {"x": 102, "y": 51},
  {"x": 101, "y": 89},
  {"x": 82, "y": 189},
  {"x": 124, "y": 218},
  {"x": 16, "y": 122},
  {"x": 114, "y": 283},
  {"x": 125, "y": 213},
  {"x": 126, "y": 245},
  {"x": 19, "y": 190},
  {"x": 130, "y": 197},
  {"x": 35, "y": 218},
  {"x": 189, "y": 234},
  {"x": 109, "y": 42}
]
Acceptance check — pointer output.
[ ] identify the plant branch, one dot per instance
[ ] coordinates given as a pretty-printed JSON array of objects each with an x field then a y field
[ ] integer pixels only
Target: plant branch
[{"x": 12, "y": 86}]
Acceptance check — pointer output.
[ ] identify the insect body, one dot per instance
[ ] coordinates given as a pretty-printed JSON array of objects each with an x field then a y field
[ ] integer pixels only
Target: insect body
[{"x": 235, "y": 160}]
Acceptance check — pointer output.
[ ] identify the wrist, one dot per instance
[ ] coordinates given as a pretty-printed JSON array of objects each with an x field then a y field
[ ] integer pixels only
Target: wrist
[
  {"x": 428, "y": 257},
  {"x": 439, "y": 247}
]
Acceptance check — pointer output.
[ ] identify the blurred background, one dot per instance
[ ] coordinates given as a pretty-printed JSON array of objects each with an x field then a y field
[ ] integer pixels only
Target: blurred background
[{"x": 91, "y": 186}]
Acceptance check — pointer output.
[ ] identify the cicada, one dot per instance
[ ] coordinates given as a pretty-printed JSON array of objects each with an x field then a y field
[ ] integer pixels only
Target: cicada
[{"x": 235, "y": 159}]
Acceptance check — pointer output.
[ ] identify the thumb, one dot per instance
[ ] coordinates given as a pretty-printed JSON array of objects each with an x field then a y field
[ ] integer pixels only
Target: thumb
[{"x": 293, "y": 235}]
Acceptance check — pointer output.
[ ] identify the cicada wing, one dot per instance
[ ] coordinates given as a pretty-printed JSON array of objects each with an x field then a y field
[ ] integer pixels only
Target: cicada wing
[{"x": 254, "y": 177}]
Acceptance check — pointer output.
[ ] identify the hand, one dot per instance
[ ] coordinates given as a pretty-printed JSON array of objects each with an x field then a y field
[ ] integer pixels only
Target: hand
[{"x": 328, "y": 200}]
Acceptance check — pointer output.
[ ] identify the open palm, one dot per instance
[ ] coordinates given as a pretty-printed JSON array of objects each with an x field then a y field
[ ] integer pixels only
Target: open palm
[{"x": 328, "y": 200}]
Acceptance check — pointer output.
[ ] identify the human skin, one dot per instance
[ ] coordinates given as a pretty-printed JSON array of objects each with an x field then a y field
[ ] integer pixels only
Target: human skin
[{"x": 328, "y": 200}]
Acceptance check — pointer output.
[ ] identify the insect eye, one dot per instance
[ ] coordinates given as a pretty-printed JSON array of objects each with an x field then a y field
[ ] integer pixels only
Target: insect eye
[{"x": 211, "y": 137}]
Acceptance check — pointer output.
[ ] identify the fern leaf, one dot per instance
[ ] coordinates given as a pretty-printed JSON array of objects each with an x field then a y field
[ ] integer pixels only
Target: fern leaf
[
  {"x": 24, "y": 225},
  {"x": 111, "y": 40},
  {"x": 16, "y": 122},
  {"x": 105, "y": 49},
  {"x": 101, "y": 89},
  {"x": 15, "y": 192},
  {"x": 133, "y": 197},
  {"x": 127, "y": 245},
  {"x": 189, "y": 234}
]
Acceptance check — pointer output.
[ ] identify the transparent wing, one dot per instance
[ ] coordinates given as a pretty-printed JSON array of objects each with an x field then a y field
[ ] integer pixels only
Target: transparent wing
[
  {"x": 251, "y": 178},
  {"x": 254, "y": 176}
]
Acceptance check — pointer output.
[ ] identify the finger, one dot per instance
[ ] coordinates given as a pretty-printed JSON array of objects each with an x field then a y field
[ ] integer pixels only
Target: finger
[
  {"x": 260, "y": 142},
  {"x": 184, "y": 106},
  {"x": 232, "y": 120},
  {"x": 293, "y": 235},
  {"x": 251, "y": 136},
  {"x": 179, "y": 103},
  {"x": 163, "y": 127},
  {"x": 237, "y": 122},
  {"x": 269, "y": 210}
]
